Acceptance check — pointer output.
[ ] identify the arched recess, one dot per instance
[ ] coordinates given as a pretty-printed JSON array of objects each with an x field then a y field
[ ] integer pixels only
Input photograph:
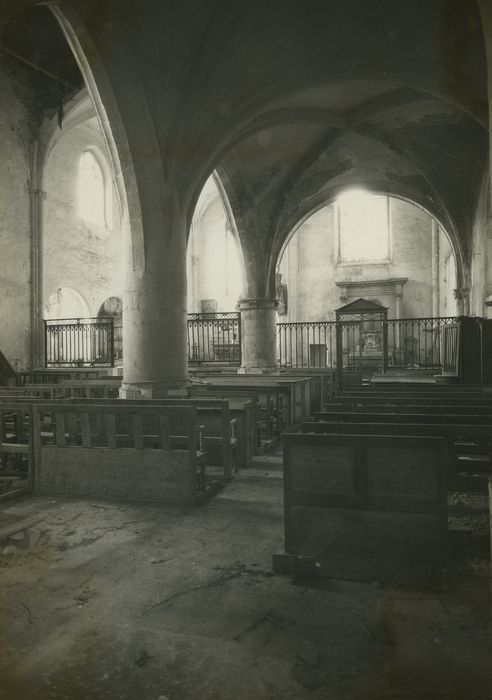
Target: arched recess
[
  {"x": 112, "y": 307},
  {"x": 400, "y": 256},
  {"x": 66, "y": 302},
  {"x": 106, "y": 215},
  {"x": 215, "y": 263}
]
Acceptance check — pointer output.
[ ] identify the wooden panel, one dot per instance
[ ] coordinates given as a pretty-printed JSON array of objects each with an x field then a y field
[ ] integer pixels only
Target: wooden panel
[
  {"x": 368, "y": 507},
  {"x": 403, "y": 548},
  {"x": 147, "y": 475},
  {"x": 315, "y": 470},
  {"x": 404, "y": 480}
]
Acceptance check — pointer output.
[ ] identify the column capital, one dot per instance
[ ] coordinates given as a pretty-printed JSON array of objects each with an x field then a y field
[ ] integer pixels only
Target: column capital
[
  {"x": 461, "y": 293},
  {"x": 257, "y": 304}
]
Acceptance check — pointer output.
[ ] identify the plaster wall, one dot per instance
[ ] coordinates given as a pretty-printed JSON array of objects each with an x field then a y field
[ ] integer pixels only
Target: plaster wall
[
  {"x": 78, "y": 255},
  {"x": 481, "y": 260},
  {"x": 214, "y": 268},
  {"x": 310, "y": 267},
  {"x": 15, "y": 243}
]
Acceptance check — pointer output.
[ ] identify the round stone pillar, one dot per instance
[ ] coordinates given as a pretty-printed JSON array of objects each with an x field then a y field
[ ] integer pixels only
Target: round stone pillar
[
  {"x": 258, "y": 335},
  {"x": 155, "y": 356}
]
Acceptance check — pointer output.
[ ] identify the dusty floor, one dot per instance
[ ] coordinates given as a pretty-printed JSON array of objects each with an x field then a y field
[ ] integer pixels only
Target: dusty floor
[{"x": 135, "y": 602}]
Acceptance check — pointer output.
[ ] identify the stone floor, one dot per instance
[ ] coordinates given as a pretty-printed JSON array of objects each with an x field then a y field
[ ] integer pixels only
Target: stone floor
[{"x": 104, "y": 601}]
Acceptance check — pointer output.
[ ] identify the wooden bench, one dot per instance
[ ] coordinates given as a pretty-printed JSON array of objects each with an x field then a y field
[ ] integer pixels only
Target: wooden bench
[
  {"x": 54, "y": 375},
  {"x": 410, "y": 398},
  {"x": 16, "y": 448},
  {"x": 90, "y": 388},
  {"x": 244, "y": 406},
  {"x": 466, "y": 418},
  {"x": 219, "y": 434},
  {"x": 365, "y": 508},
  {"x": 462, "y": 440},
  {"x": 44, "y": 391},
  {"x": 137, "y": 456},
  {"x": 265, "y": 399},
  {"x": 324, "y": 389},
  {"x": 295, "y": 405},
  {"x": 403, "y": 407}
]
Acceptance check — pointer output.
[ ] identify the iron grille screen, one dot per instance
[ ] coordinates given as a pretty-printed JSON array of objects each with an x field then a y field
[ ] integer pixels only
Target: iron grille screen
[
  {"x": 214, "y": 338},
  {"x": 79, "y": 342}
]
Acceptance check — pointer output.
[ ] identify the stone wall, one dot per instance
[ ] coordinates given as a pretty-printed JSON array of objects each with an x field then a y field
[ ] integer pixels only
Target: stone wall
[
  {"x": 15, "y": 212},
  {"x": 79, "y": 256},
  {"x": 311, "y": 269},
  {"x": 214, "y": 266}
]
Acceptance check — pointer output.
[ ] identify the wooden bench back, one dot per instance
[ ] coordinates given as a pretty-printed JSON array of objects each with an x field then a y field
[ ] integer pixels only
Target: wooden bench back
[
  {"x": 366, "y": 507},
  {"x": 76, "y": 424},
  {"x": 435, "y": 409},
  {"x": 465, "y": 418}
]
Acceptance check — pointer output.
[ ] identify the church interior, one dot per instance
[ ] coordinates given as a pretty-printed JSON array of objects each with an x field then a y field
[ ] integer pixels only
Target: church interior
[{"x": 245, "y": 350}]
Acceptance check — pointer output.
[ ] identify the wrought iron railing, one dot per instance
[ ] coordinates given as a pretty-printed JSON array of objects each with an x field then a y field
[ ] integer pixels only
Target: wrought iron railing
[
  {"x": 79, "y": 342},
  {"x": 450, "y": 348},
  {"x": 409, "y": 343},
  {"x": 417, "y": 343},
  {"x": 307, "y": 344},
  {"x": 214, "y": 338}
]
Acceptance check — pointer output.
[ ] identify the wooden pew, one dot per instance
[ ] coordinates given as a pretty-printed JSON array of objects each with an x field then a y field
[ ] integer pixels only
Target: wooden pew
[
  {"x": 55, "y": 375},
  {"x": 90, "y": 388},
  {"x": 44, "y": 391},
  {"x": 417, "y": 388},
  {"x": 246, "y": 408},
  {"x": 294, "y": 404},
  {"x": 473, "y": 407},
  {"x": 219, "y": 435},
  {"x": 325, "y": 390},
  {"x": 265, "y": 399},
  {"x": 16, "y": 448},
  {"x": 411, "y": 398},
  {"x": 405, "y": 417},
  {"x": 461, "y": 439},
  {"x": 126, "y": 461},
  {"x": 238, "y": 415},
  {"x": 365, "y": 508}
]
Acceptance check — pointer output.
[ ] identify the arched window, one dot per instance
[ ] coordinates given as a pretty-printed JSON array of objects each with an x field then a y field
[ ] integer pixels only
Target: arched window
[
  {"x": 363, "y": 227},
  {"x": 92, "y": 190}
]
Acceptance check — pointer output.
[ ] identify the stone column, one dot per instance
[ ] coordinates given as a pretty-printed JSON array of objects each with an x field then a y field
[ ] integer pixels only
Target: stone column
[
  {"x": 435, "y": 269},
  {"x": 258, "y": 335},
  {"x": 462, "y": 296},
  {"x": 37, "y": 349},
  {"x": 155, "y": 356}
]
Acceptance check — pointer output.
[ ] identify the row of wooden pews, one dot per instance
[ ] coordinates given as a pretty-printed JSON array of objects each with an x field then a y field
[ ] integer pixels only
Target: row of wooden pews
[
  {"x": 366, "y": 481},
  {"x": 60, "y": 431}
]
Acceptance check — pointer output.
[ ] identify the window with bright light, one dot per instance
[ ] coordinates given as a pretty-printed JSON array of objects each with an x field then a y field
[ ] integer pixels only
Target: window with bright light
[
  {"x": 91, "y": 195},
  {"x": 363, "y": 220}
]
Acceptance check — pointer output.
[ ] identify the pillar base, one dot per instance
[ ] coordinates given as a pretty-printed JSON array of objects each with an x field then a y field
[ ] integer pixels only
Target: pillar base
[{"x": 151, "y": 389}]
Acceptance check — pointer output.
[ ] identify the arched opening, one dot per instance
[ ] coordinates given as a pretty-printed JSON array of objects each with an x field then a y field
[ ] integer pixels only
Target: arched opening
[
  {"x": 344, "y": 247},
  {"x": 377, "y": 248},
  {"x": 112, "y": 307},
  {"x": 214, "y": 261}
]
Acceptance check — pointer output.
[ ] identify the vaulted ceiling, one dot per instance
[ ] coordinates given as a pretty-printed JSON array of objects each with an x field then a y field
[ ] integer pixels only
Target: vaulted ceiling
[{"x": 289, "y": 101}]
